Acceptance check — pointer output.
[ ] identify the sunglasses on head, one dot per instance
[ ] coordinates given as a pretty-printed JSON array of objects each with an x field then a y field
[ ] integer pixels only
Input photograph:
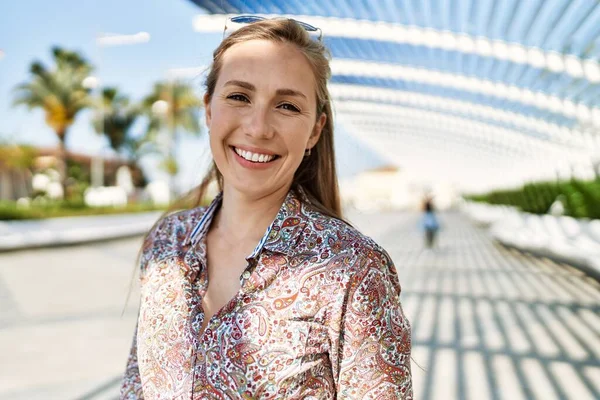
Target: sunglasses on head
[{"x": 248, "y": 19}]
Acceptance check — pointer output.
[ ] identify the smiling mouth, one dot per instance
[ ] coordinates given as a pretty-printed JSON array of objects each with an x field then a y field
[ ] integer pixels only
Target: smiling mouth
[{"x": 255, "y": 157}]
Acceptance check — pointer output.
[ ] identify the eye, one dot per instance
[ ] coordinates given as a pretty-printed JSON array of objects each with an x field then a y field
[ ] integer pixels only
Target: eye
[
  {"x": 238, "y": 97},
  {"x": 289, "y": 107}
]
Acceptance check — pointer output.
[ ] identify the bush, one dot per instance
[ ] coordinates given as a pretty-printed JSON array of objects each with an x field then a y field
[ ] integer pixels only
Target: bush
[
  {"x": 581, "y": 199},
  {"x": 50, "y": 209}
]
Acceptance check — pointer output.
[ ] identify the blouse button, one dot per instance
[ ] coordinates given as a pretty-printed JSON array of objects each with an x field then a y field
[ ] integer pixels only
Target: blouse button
[{"x": 246, "y": 274}]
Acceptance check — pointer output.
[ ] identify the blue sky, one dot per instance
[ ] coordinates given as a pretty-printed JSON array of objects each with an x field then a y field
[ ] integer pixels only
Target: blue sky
[{"x": 28, "y": 29}]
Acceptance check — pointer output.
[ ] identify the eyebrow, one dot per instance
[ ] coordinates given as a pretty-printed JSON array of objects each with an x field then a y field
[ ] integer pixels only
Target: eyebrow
[
  {"x": 290, "y": 92},
  {"x": 280, "y": 92},
  {"x": 245, "y": 85}
]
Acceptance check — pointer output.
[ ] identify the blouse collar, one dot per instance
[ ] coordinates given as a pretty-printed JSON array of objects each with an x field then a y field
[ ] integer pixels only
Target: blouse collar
[{"x": 280, "y": 237}]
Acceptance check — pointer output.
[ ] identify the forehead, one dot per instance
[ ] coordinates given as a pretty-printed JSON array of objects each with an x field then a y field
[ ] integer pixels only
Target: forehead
[{"x": 268, "y": 65}]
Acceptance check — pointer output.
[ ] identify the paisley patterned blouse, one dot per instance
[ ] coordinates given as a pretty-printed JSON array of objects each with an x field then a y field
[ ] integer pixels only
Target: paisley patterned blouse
[{"x": 318, "y": 315}]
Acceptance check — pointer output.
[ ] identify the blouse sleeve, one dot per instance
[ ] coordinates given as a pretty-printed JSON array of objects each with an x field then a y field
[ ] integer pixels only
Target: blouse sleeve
[
  {"x": 163, "y": 240},
  {"x": 375, "y": 335},
  {"x": 131, "y": 387}
]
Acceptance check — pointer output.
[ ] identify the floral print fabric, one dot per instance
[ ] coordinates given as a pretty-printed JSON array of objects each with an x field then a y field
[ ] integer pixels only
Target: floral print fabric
[{"x": 318, "y": 315}]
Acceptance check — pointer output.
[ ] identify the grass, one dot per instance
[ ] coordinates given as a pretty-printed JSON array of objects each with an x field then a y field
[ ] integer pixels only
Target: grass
[{"x": 10, "y": 210}]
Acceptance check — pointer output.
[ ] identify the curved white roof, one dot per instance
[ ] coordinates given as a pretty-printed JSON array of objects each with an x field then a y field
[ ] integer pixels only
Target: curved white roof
[{"x": 483, "y": 93}]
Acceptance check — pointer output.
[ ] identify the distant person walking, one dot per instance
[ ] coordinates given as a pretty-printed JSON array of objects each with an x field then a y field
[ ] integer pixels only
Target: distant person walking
[{"x": 430, "y": 223}]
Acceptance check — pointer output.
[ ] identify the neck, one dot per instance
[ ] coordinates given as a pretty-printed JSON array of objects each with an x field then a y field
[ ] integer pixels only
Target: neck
[{"x": 242, "y": 217}]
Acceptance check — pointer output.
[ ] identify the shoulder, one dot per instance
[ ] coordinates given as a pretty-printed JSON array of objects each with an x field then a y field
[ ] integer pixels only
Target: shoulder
[
  {"x": 169, "y": 234},
  {"x": 335, "y": 236},
  {"x": 175, "y": 226},
  {"x": 354, "y": 258}
]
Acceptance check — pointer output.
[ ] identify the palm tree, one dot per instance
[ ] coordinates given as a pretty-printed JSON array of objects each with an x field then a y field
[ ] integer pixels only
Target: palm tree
[
  {"x": 180, "y": 113},
  {"x": 115, "y": 118},
  {"x": 59, "y": 92}
]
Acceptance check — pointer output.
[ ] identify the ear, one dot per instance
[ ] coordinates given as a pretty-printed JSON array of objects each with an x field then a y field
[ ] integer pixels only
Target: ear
[
  {"x": 317, "y": 129},
  {"x": 207, "y": 111}
]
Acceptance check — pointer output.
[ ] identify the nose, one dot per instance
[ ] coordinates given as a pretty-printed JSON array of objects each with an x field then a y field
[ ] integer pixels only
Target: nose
[{"x": 258, "y": 123}]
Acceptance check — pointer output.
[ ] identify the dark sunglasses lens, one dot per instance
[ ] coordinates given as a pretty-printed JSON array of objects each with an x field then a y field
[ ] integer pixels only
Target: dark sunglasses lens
[
  {"x": 306, "y": 26},
  {"x": 246, "y": 19}
]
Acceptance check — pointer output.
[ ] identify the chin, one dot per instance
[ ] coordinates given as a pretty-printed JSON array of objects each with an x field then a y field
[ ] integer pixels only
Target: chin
[{"x": 257, "y": 188}]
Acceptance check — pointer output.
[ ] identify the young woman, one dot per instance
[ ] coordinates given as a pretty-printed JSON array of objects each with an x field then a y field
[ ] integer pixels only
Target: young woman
[{"x": 268, "y": 293}]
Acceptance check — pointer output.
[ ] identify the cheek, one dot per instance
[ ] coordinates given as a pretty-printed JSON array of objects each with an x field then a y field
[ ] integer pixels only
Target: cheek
[
  {"x": 298, "y": 138},
  {"x": 297, "y": 146},
  {"x": 220, "y": 123},
  {"x": 216, "y": 144},
  {"x": 215, "y": 139},
  {"x": 215, "y": 116}
]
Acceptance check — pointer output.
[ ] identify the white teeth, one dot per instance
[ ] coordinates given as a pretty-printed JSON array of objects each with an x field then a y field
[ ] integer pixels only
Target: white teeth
[{"x": 254, "y": 157}]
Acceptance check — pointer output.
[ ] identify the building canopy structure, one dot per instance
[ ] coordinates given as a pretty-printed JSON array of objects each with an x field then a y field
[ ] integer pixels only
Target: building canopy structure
[{"x": 483, "y": 93}]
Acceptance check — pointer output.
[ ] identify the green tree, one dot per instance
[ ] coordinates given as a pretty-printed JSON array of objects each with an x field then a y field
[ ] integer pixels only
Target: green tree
[
  {"x": 115, "y": 117},
  {"x": 59, "y": 91},
  {"x": 172, "y": 108},
  {"x": 17, "y": 156}
]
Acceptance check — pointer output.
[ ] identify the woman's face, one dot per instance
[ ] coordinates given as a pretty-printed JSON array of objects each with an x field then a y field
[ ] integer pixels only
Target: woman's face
[{"x": 262, "y": 116}]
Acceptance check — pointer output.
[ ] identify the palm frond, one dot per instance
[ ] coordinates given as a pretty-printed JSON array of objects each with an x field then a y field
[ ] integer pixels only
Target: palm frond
[
  {"x": 115, "y": 117},
  {"x": 58, "y": 91}
]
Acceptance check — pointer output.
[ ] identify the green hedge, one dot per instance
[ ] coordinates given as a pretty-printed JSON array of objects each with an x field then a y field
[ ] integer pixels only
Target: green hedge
[
  {"x": 581, "y": 199},
  {"x": 10, "y": 210}
]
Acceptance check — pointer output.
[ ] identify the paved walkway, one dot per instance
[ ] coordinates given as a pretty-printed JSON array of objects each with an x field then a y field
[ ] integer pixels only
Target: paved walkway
[
  {"x": 492, "y": 323},
  {"x": 61, "y": 332},
  {"x": 52, "y": 232},
  {"x": 488, "y": 323}
]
